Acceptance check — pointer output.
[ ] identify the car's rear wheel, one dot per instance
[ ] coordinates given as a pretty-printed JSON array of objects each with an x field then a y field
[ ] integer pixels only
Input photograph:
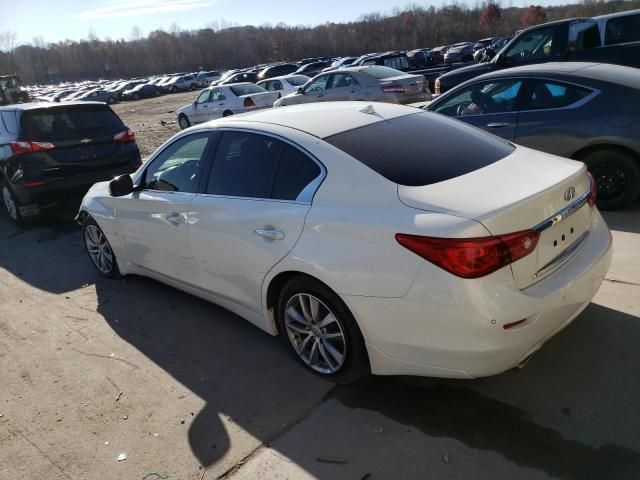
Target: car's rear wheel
[
  {"x": 136, "y": 96},
  {"x": 227, "y": 113},
  {"x": 11, "y": 203},
  {"x": 111, "y": 100},
  {"x": 183, "y": 121},
  {"x": 99, "y": 249},
  {"x": 321, "y": 331},
  {"x": 617, "y": 177}
]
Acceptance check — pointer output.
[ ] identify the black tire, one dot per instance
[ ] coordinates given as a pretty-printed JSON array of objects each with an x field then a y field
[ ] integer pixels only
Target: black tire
[
  {"x": 11, "y": 204},
  {"x": 111, "y": 100},
  {"x": 114, "y": 271},
  {"x": 617, "y": 176},
  {"x": 227, "y": 113},
  {"x": 356, "y": 362},
  {"x": 136, "y": 96},
  {"x": 183, "y": 121}
]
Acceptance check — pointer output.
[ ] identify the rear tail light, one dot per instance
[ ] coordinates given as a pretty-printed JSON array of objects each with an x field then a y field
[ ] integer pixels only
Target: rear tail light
[
  {"x": 437, "y": 86},
  {"x": 18, "y": 148},
  {"x": 127, "y": 136},
  {"x": 393, "y": 88},
  {"x": 472, "y": 257},
  {"x": 592, "y": 191},
  {"x": 248, "y": 102}
]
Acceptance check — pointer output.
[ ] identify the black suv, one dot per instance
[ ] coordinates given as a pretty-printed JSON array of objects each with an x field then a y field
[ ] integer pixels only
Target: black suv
[{"x": 53, "y": 152}]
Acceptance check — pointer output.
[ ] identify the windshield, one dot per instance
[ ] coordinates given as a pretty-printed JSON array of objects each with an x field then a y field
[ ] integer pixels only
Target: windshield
[
  {"x": 248, "y": 89},
  {"x": 298, "y": 80}
]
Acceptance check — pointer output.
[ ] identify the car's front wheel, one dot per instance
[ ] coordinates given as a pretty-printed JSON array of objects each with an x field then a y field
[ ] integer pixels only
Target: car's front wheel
[
  {"x": 11, "y": 203},
  {"x": 321, "y": 331},
  {"x": 99, "y": 249},
  {"x": 111, "y": 100},
  {"x": 617, "y": 177},
  {"x": 183, "y": 121}
]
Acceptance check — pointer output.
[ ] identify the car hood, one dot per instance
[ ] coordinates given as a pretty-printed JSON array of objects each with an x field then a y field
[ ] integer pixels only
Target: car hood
[
  {"x": 468, "y": 72},
  {"x": 184, "y": 109}
]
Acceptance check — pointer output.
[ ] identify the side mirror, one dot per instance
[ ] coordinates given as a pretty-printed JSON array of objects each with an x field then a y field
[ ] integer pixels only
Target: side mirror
[
  {"x": 195, "y": 104},
  {"x": 301, "y": 90},
  {"x": 121, "y": 186}
]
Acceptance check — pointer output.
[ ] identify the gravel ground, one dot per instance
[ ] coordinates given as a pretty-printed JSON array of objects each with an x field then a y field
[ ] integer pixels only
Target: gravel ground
[{"x": 145, "y": 116}]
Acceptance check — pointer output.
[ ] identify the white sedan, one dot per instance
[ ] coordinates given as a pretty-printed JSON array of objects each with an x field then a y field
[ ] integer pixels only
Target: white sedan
[
  {"x": 333, "y": 226},
  {"x": 284, "y": 85},
  {"x": 224, "y": 100}
]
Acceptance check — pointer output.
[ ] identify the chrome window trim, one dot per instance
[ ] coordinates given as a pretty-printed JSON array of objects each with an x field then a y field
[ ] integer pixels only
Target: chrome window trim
[
  {"x": 583, "y": 101},
  {"x": 306, "y": 195},
  {"x": 563, "y": 214}
]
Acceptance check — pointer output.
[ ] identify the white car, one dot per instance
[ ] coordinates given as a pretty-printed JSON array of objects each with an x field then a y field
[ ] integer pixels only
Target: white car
[
  {"x": 224, "y": 100},
  {"x": 284, "y": 85},
  {"x": 333, "y": 226}
]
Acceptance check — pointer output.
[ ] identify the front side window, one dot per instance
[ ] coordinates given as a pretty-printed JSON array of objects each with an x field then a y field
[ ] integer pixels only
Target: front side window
[
  {"x": 177, "y": 168},
  {"x": 547, "y": 94},
  {"x": 531, "y": 46},
  {"x": 250, "y": 165},
  {"x": 482, "y": 98},
  {"x": 217, "y": 95},
  {"x": 622, "y": 30},
  {"x": 318, "y": 85},
  {"x": 203, "y": 97}
]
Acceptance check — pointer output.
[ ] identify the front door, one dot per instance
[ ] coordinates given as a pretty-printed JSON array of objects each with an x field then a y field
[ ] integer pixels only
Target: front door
[
  {"x": 154, "y": 219},
  {"x": 491, "y": 105},
  {"x": 251, "y": 214}
]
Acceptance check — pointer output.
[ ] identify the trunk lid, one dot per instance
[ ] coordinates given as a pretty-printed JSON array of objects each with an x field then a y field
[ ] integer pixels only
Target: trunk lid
[
  {"x": 411, "y": 83},
  {"x": 262, "y": 99},
  {"x": 525, "y": 190}
]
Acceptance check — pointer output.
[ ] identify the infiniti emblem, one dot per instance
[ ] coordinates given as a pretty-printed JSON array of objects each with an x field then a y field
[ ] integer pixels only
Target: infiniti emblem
[{"x": 569, "y": 194}]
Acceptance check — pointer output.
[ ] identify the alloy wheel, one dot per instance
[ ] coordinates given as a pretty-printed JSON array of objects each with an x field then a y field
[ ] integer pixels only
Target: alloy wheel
[
  {"x": 99, "y": 249},
  {"x": 9, "y": 202},
  {"x": 315, "y": 333}
]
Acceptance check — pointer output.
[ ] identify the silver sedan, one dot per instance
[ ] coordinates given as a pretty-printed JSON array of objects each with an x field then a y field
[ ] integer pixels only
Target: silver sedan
[{"x": 367, "y": 83}]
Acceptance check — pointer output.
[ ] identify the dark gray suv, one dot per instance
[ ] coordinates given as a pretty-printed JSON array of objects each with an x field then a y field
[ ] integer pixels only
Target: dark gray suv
[{"x": 55, "y": 151}]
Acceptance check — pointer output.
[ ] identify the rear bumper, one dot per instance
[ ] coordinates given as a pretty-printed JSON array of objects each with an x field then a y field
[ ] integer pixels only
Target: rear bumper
[
  {"x": 54, "y": 190},
  {"x": 450, "y": 327}
]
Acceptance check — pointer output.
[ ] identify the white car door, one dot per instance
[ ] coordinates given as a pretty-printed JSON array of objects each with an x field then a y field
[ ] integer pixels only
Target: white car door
[
  {"x": 251, "y": 213},
  {"x": 154, "y": 218},
  {"x": 217, "y": 104},
  {"x": 200, "y": 109}
]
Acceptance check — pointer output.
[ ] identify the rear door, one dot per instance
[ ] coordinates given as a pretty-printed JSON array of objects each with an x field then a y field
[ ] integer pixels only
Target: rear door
[
  {"x": 154, "y": 220},
  {"x": 491, "y": 105},
  {"x": 551, "y": 116},
  {"x": 342, "y": 86},
  {"x": 252, "y": 213}
]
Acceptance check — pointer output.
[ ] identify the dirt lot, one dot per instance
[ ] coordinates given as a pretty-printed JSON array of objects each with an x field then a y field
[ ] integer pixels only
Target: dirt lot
[
  {"x": 92, "y": 368},
  {"x": 145, "y": 117}
]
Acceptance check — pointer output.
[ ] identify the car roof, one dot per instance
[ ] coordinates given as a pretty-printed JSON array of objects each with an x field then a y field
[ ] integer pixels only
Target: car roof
[
  {"x": 324, "y": 119},
  {"x": 622, "y": 75},
  {"x": 617, "y": 14},
  {"x": 37, "y": 105},
  {"x": 285, "y": 77}
]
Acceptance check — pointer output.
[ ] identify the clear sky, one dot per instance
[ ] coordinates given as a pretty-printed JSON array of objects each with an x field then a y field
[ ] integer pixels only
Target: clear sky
[{"x": 55, "y": 20}]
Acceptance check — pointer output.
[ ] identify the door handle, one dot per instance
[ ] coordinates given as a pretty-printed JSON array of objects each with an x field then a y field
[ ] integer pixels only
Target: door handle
[
  {"x": 176, "y": 219},
  {"x": 498, "y": 124},
  {"x": 270, "y": 234}
]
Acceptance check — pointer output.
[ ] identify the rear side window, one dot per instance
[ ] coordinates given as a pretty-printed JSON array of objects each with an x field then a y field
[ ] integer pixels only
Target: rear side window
[
  {"x": 421, "y": 148},
  {"x": 69, "y": 122},
  {"x": 622, "y": 30},
  {"x": 249, "y": 165},
  {"x": 240, "y": 90},
  {"x": 546, "y": 94}
]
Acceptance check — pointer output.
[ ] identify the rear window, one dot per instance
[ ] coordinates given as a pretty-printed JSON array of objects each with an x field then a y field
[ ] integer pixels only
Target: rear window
[
  {"x": 298, "y": 81},
  {"x": 421, "y": 148},
  {"x": 249, "y": 89},
  {"x": 68, "y": 123},
  {"x": 383, "y": 72}
]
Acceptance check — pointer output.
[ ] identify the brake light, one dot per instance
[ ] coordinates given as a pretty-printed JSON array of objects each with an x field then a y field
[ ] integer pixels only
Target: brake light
[
  {"x": 18, "y": 148},
  {"x": 127, "y": 136},
  {"x": 437, "y": 86},
  {"x": 592, "y": 191},
  {"x": 248, "y": 102},
  {"x": 472, "y": 257},
  {"x": 393, "y": 88}
]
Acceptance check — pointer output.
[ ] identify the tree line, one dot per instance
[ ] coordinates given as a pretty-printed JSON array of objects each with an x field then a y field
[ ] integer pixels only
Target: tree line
[{"x": 221, "y": 45}]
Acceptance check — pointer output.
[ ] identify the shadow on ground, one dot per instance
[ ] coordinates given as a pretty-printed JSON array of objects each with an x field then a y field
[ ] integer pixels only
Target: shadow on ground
[{"x": 243, "y": 373}]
